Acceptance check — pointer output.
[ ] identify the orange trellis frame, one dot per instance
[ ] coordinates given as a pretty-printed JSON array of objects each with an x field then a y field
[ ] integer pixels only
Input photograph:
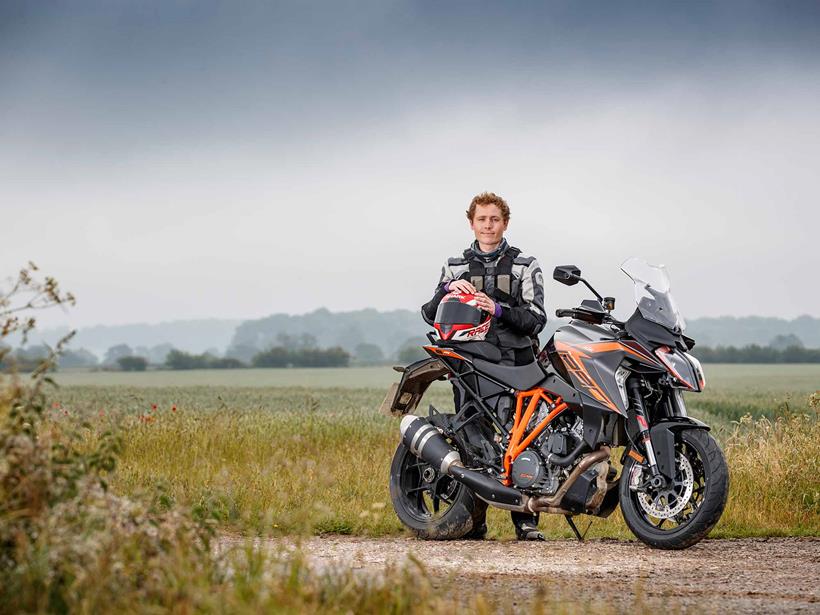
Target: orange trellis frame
[{"x": 518, "y": 443}]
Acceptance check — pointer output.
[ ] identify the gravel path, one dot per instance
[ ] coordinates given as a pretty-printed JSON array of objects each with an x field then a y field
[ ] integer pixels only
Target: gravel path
[{"x": 766, "y": 575}]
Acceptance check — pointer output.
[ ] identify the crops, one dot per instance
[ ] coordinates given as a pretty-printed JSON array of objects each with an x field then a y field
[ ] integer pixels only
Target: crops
[{"x": 310, "y": 461}]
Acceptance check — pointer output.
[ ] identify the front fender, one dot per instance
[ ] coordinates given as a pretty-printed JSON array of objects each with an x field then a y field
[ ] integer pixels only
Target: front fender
[{"x": 662, "y": 435}]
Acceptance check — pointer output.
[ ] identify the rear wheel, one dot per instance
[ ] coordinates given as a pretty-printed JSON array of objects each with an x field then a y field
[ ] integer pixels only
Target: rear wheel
[
  {"x": 434, "y": 506},
  {"x": 685, "y": 510}
]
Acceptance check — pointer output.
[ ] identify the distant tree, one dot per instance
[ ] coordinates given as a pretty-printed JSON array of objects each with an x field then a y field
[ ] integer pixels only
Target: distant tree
[
  {"x": 782, "y": 342},
  {"x": 114, "y": 353},
  {"x": 368, "y": 354},
  {"x": 277, "y": 356},
  {"x": 242, "y": 352},
  {"x": 410, "y": 354},
  {"x": 330, "y": 357},
  {"x": 25, "y": 359},
  {"x": 77, "y": 358},
  {"x": 177, "y": 359},
  {"x": 756, "y": 354},
  {"x": 304, "y": 341},
  {"x": 132, "y": 364},
  {"x": 157, "y": 354},
  {"x": 226, "y": 363}
]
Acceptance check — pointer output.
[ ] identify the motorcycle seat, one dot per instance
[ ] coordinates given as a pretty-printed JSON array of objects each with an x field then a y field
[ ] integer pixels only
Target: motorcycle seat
[{"x": 518, "y": 377}]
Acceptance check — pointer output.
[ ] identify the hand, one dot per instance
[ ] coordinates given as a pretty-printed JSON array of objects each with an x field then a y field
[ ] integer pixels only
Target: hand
[
  {"x": 462, "y": 286},
  {"x": 485, "y": 303}
]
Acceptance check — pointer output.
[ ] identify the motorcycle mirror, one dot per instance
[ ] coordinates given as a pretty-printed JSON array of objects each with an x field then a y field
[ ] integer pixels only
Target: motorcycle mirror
[
  {"x": 566, "y": 274},
  {"x": 609, "y": 303}
]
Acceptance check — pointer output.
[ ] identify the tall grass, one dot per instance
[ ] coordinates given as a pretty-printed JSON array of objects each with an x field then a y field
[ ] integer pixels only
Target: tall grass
[{"x": 292, "y": 461}]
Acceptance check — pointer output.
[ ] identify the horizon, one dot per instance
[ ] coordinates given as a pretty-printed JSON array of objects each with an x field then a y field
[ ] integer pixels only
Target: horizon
[{"x": 319, "y": 309}]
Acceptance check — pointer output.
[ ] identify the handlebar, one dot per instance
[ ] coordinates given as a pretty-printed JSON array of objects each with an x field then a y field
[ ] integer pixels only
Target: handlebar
[{"x": 582, "y": 315}]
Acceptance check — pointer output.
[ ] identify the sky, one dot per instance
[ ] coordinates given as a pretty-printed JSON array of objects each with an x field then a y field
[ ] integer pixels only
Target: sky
[{"x": 178, "y": 160}]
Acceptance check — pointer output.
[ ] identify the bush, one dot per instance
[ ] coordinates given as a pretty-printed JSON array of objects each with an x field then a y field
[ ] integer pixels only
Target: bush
[
  {"x": 132, "y": 364},
  {"x": 279, "y": 356},
  {"x": 176, "y": 359}
]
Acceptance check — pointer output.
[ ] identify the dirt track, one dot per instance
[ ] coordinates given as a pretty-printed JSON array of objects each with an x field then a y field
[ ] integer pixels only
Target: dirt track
[{"x": 772, "y": 575}]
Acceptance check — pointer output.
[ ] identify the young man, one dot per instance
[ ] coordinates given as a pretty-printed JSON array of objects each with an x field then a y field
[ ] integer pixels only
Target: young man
[{"x": 509, "y": 285}]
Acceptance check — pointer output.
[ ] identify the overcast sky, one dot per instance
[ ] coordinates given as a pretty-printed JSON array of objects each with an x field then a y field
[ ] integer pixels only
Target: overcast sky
[{"x": 171, "y": 160}]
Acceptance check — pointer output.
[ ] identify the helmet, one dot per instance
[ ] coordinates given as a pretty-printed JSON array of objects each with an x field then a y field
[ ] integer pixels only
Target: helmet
[{"x": 459, "y": 319}]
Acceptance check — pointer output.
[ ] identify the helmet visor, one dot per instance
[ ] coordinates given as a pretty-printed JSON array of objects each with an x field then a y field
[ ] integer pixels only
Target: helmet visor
[{"x": 457, "y": 313}]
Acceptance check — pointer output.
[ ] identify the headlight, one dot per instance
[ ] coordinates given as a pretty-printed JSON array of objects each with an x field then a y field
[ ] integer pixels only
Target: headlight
[
  {"x": 683, "y": 367},
  {"x": 701, "y": 377}
]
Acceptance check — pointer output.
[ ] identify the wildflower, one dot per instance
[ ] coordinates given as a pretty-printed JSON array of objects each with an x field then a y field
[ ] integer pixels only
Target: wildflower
[
  {"x": 153, "y": 406},
  {"x": 174, "y": 408}
]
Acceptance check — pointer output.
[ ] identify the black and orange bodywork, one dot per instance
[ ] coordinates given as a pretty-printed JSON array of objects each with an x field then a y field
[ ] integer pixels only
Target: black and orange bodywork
[
  {"x": 577, "y": 373},
  {"x": 589, "y": 358}
]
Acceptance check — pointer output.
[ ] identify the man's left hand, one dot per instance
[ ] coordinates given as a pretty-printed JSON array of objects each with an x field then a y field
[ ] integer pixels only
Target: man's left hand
[{"x": 485, "y": 303}]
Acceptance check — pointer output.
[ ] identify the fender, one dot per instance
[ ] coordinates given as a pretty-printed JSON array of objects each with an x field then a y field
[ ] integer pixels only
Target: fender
[{"x": 662, "y": 434}]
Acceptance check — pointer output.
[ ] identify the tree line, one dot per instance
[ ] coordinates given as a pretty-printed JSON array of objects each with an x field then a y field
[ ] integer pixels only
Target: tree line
[{"x": 756, "y": 354}]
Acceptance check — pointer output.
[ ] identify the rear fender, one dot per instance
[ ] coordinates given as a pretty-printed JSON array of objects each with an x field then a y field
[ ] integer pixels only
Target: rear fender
[
  {"x": 662, "y": 435},
  {"x": 404, "y": 396}
]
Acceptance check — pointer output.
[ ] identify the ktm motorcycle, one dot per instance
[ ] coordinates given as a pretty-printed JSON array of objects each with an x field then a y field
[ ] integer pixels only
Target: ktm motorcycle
[{"x": 540, "y": 437}]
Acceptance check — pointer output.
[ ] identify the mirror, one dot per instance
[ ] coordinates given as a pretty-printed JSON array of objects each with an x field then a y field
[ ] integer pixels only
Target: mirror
[{"x": 567, "y": 274}]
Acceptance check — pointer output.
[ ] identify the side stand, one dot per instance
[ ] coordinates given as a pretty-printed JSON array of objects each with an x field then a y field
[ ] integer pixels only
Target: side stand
[{"x": 578, "y": 534}]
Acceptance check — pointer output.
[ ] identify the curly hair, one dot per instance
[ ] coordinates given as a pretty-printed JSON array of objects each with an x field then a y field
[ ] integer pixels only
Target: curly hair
[{"x": 489, "y": 198}]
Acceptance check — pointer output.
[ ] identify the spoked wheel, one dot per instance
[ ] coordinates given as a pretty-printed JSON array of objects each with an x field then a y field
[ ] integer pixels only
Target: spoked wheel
[
  {"x": 432, "y": 505},
  {"x": 684, "y": 510}
]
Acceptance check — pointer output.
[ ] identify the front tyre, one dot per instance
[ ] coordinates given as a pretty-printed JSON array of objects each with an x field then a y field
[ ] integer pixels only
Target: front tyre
[
  {"x": 433, "y": 506},
  {"x": 683, "y": 512}
]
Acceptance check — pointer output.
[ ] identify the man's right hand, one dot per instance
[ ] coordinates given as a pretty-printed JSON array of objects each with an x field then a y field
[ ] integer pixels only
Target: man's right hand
[{"x": 461, "y": 286}]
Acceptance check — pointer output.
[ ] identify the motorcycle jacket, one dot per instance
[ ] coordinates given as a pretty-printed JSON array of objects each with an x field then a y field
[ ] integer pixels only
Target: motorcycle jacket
[{"x": 512, "y": 279}]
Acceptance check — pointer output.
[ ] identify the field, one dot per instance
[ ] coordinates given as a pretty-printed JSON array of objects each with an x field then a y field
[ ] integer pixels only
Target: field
[
  {"x": 266, "y": 490},
  {"x": 304, "y": 451}
]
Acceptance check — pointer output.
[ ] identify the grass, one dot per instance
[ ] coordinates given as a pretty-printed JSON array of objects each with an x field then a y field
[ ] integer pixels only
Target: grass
[{"x": 312, "y": 461}]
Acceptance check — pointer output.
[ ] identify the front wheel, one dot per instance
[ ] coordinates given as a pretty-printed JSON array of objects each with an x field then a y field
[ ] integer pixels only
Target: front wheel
[
  {"x": 682, "y": 512},
  {"x": 432, "y": 505}
]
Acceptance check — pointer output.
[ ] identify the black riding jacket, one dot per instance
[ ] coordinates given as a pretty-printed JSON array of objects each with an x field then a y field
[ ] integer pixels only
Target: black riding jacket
[{"x": 512, "y": 279}]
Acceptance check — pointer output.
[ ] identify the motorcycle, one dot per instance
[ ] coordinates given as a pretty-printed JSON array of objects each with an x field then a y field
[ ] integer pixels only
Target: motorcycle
[{"x": 540, "y": 437}]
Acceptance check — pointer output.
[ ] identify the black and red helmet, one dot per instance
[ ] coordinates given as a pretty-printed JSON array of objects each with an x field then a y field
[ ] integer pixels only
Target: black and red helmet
[{"x": 459, "y": 319}]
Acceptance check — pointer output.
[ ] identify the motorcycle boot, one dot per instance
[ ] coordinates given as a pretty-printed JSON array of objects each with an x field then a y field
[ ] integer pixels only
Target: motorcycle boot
[{"x": 526, "y": 526}]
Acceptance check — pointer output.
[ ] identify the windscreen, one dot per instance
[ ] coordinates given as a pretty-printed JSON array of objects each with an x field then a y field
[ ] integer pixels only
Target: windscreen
[{"x": 652, "y": 295}]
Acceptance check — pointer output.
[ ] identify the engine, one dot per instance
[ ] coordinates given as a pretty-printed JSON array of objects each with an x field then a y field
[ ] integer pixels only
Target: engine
[{"x": 530, "y": 471}]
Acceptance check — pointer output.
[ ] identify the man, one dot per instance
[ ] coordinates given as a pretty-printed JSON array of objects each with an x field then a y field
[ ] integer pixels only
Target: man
[{"x": 507, "y": 284}]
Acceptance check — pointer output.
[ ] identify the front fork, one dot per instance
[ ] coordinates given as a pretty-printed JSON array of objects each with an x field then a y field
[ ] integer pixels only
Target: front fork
[{"x": 656, "y": 479}]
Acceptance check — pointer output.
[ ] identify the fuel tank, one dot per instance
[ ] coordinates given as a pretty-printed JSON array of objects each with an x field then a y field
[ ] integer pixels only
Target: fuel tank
[{"x": 589, "y": 356}]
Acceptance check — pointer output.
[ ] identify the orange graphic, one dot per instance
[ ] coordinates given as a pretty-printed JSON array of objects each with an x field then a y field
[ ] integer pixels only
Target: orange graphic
[{"x": 573, "y": 360}]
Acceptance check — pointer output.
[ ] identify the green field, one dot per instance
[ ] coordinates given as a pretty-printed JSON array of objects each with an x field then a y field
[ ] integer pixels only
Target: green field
[{"x": 305, "y": 451}]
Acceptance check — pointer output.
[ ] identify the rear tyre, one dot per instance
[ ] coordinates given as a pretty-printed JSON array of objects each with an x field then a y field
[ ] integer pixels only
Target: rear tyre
[
  {"x": 684, "y": 512},
  {"x": 433, "y": 506}
]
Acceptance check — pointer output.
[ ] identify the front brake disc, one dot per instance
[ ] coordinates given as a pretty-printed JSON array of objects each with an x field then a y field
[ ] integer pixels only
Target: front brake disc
[{"x": 667, "y": 502}]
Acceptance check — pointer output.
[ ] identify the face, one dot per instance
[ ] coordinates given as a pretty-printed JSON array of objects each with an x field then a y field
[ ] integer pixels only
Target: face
[{"x": 488, "y": 224}]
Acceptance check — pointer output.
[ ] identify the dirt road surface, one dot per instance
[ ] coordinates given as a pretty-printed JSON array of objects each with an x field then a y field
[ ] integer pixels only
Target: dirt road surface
[{"x": 764, "y": 575}]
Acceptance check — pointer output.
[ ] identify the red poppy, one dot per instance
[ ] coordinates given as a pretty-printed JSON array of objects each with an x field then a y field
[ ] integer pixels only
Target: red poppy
[{"x": 153, "y": 406}]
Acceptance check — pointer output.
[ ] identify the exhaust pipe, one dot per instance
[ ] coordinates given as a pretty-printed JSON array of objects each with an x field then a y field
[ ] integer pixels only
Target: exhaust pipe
[{"x": 427, "y": 443}]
